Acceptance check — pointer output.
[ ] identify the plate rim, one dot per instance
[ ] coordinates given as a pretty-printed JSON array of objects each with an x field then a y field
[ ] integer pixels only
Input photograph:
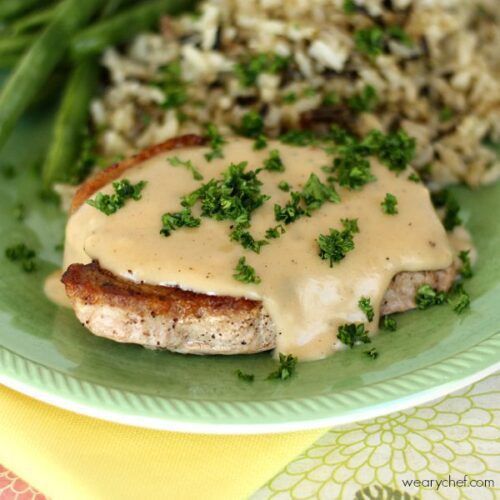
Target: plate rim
[{"x": 250, "y": 417}]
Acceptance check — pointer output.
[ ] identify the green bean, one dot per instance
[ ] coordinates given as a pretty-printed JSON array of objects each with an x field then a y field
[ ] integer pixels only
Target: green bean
[
  {"x": 29, "y": 76},
  {"x": 33, "y": 20},
  {"x": 124, "y": 25},
  {"x": 11, "y": 8},
  {"x": 70, "y": 123}
]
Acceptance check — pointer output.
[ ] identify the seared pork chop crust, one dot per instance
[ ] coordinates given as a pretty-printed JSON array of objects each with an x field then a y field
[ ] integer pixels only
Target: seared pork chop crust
[
  {"x": 167, "y": 317},
  {"x": 100, "y": 179}
]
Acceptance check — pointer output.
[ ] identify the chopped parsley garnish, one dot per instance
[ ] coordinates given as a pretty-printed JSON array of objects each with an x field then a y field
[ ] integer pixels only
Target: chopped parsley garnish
[
  {"x": 427, "y": 296},
  {"x": 459, "y": 299},
  {"x": 249, "y": 70},
  {"x": 372, "y": 353},
  {"x": 353, "y": 333},
  {"x": 370, "y": 41},
  {"x": 177, "y": 162},
  {"x": 260, "y": 142},
  {"x": 349, "y": 7},
  {"x": 389, "y": 323},
  {"x": 275, "y": 232},
  {"x": 366, "y": 306},
  {"x": 241, "y": 235},
  {"x": 395, "y": 150},
  {"x": 374, "y": 41},
  {"x": 216, "y": 142},
  {"x": 172, "y": 85},
  {"x": 353, "y": 170},
  {"x": 284, "y": 186},
  {"x": 252, "y": 125},
  {"x": 234, "y": 197},
  {"x": 298, "y": 138},
  {"x": 175, "y": 220},
  {"x": 350, "y": 225},
  {"x": 286, "y": 368},
  {"x": 444, "y": 199},
  {"x": 315, "y": 193},
  {"x": 364, "y": 101},
  {"x": 291, "y": 211},
  {"x": 330, "y": 98},
  {"x": 22, "y": 254},
  {"x": 245, "y": 272},
  {"x": 390, "y": 204},
  {"x": 274, "y": 162},
  {"x": 397, "y": 33},
  {"x": 246, "y": 377},
  {"x": 335, "y": 245},
  {"x": 124, "y": 190},
  {"x": 414, "y": 177},
  {"x": 466, "y": 269},
  {"x": 289, "y": 98},
  {"x": 446, "y": 114}
]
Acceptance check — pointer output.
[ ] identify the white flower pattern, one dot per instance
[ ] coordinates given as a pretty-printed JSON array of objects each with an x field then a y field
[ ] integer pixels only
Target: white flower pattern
[{"x": 454, "y": 436}]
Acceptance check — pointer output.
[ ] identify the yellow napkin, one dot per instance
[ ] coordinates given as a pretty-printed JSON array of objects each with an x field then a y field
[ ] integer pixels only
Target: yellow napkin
[{"x": 65, "y": 455}]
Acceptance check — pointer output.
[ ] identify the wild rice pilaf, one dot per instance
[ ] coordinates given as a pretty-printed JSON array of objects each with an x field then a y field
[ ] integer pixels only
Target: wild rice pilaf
[{"x": 431, "y": 67}]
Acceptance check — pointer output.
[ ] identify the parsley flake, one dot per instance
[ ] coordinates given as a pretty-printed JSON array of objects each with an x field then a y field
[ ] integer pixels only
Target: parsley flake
[
  {"x": 246, "y": 377},
  {"x": 350, "y": 225},
  {"x": 260, "y": 142},
  {"x": 372, "y": 353},
  {"x": 286, "y": 368},
  {"x": 22, "y": 254},
  {"x": 216, "y": 142},
  {"x": 335, "y": 245},
  {"x": 275, "y": 232},
  {"x": 175, "y": 220},
  {"x": 370, "y": 41},
  {"x": 427, "y": 296},
  {"x": 274, "y": 163},
  {"x": 459, "y": 299},
  {"x": 390, "y": 204},
  {"x": 234, "y": 197},
  {"x": 414, "y": 177},
  {"x": 124, "y": 190},
  {"x": 444, "y": 199},
  {"x": 298, "y": 138},
  {"x": 315, "y": 193},
  {"x": 365, "y": 101},
  {"x": 252, "y": 124},
  {"x": 284, "y": 186},
  {"x": 389, "y": 323},
  {"x": 365, "y": 305},
  {"x": 241, "y": 235},
  {"x": 248, "y": 71},
  {"x": 172, "y": 85},
  {"x": 291, "y": 211},
  {"x": 466, "y": 269},
  {"x": 245, "y": 273},
  {"x": 351, "y": 334},
  {"x": 352, "y": 170},
  {"x": 188, "y": 164}
]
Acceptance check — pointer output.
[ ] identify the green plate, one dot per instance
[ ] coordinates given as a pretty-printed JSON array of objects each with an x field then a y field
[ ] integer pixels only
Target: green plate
[{"x": 47, "y": 354}]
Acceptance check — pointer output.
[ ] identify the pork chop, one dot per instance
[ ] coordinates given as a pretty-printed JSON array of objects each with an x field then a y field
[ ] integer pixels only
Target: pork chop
[{"x": 167, "y": 317}]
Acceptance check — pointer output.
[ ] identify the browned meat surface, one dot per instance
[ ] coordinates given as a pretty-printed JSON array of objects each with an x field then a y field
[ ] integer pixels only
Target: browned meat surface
[{"x": 182, "y": 321}]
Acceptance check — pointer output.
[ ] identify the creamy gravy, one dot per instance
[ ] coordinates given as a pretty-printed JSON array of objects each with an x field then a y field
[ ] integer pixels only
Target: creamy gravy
[{"x": 306, "y": 298}]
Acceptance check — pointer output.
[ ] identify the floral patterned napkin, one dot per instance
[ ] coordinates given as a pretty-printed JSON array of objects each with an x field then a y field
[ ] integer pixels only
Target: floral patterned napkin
[{"x": 446, "y": 440}]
